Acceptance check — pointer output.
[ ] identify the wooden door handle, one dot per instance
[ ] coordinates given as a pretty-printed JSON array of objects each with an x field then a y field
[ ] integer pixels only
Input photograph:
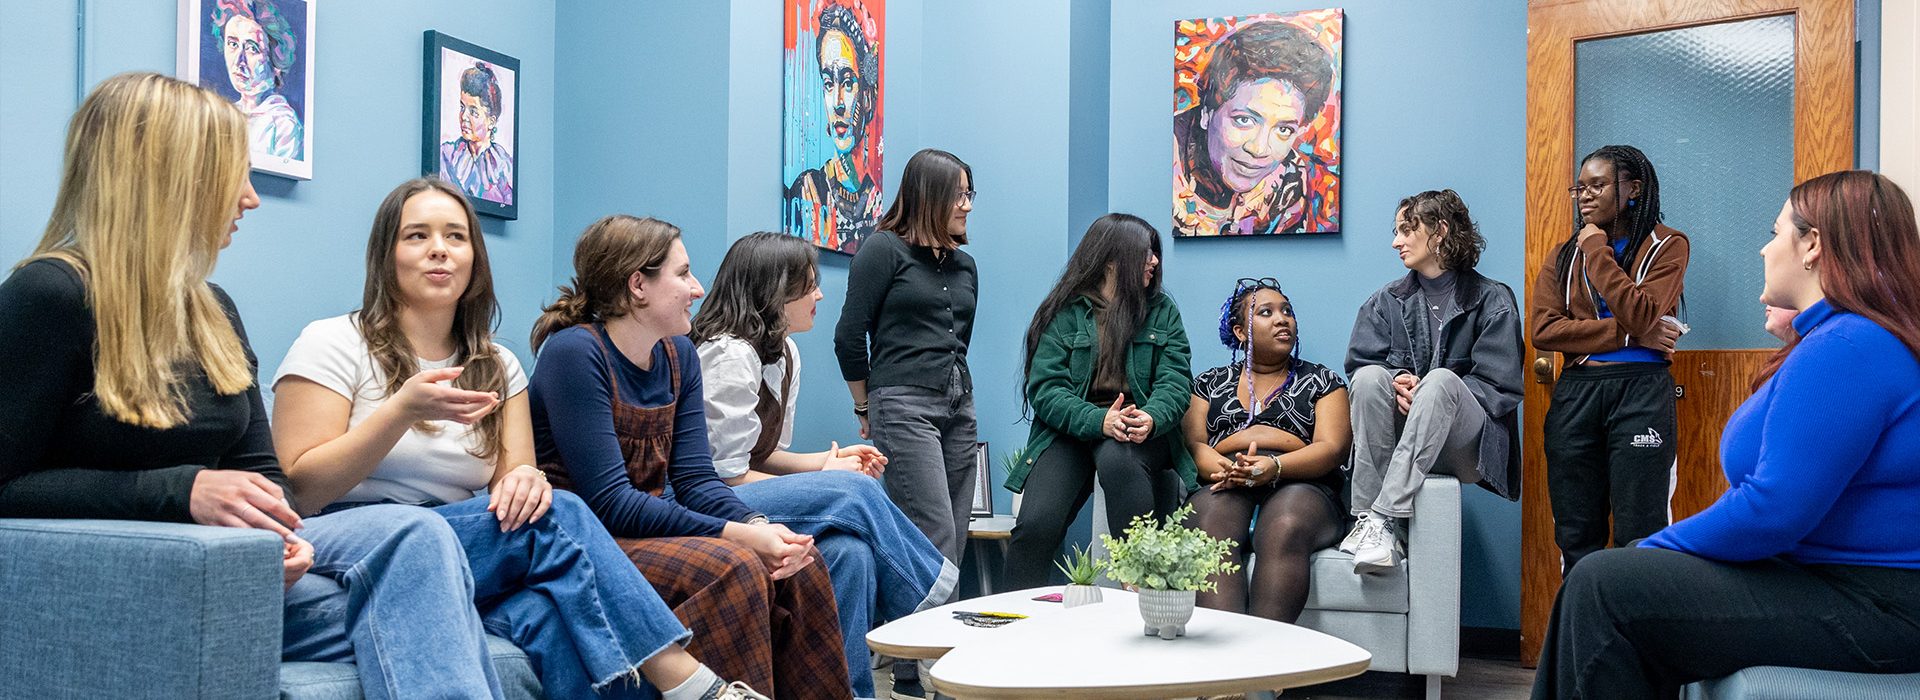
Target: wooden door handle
[{"x": 1543, "y": 370}]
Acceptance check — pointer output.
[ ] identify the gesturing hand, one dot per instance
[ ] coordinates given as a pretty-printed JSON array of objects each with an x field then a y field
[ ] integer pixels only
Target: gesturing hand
[
  {"x": 228, "y": 498},
  {"x": 520, "y": 497},
  {"x": 296, "y": 560},
  {"x": 423, "y": 397}
]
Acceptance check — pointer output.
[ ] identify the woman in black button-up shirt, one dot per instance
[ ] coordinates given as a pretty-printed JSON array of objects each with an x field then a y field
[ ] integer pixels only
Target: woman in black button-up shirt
[{"x": 902, "y": 344}]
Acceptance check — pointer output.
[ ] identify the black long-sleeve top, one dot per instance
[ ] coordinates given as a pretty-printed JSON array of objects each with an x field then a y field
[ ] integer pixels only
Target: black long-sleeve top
[
  {"x": 61, "y": 456},
  {"x": 916, "y": 308}
]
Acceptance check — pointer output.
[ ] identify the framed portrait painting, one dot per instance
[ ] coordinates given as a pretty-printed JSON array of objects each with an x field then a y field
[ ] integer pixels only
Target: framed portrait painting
[
  {"x": 831, "y": 121},
  {"x": 258, "y": 53},
  {"x": 470, "y": 128},
  {"x": 1256, "y": 124}
]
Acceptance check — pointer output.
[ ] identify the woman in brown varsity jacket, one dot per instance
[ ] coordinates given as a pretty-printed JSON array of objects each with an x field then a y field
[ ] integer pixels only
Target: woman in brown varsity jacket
[{"x": 1605, "y": 300}]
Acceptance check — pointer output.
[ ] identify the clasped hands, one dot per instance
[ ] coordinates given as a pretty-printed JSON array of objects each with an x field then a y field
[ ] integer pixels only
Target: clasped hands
[
  {"x": 1249, "y": 468},
  {"x": 1125, "y": 422}
]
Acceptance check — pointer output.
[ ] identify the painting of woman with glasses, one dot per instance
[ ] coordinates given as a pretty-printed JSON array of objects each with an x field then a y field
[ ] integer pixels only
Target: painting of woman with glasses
[
  {"x": 831, "y": 154},
  {"x": 1257, "y": 124}
]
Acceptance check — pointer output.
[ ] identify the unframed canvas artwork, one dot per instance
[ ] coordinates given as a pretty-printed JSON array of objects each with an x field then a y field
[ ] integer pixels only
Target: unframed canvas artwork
[
  {"x": 258, "y": 53},
  {"x": 472, "y": 122},
  {"x": 1256, "y": 124},
  {"x": 831, "y": 148}
]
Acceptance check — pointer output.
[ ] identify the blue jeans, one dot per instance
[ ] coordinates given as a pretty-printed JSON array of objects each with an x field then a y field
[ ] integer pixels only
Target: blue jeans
[
  {"x": 882, "y": 567},
  {"x": 564, "y": 592},
  {"x": 389, "y": 591}
]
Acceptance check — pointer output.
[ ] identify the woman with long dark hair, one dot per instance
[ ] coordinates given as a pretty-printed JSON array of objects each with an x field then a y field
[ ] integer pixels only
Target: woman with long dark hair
[
  {"x": 618, "y": 417},
  {"x": 1605, "y": 301},
  {"x": 361, "y": 416},
  {"x": 1810, "y": 559},
  {"x": 1242, "y": 419},
  {"x": 882, "y": 567},
  {"x": 1106, "y": 378}
]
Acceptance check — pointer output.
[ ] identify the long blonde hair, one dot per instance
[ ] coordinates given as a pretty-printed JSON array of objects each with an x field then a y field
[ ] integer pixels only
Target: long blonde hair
[{"x": 153, "y": 173}]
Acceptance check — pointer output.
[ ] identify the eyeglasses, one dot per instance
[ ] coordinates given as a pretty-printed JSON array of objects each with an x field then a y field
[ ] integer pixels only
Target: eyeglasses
[
  {"x": 1580, "y": 188},
  {"x": 966, "y": 196},
  {"x": 1252, "y": 283}
]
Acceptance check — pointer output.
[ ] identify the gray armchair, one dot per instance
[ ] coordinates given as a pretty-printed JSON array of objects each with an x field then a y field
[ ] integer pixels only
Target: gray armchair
[
  {"x": 1408, "y": 617},
  {"x": 103, "y": 608}
]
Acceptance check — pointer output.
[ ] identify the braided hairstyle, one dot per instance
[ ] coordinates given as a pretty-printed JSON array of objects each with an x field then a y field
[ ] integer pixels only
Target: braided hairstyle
[
  {"x": 1236, "y": 312},
  {"x": 1642, "y": 213}
]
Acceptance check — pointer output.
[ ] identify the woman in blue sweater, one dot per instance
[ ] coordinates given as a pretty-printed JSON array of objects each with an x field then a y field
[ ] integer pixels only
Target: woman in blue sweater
[{"x": 1811, "y": 559}]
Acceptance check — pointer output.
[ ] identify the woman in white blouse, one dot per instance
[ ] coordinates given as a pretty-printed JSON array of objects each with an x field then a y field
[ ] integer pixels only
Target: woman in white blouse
[{"x": 882, "y": 567}]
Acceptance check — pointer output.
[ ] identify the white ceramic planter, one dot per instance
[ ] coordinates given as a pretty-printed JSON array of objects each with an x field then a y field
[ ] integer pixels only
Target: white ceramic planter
[
  {"x": 1166, "y": 612},
  {"x": 1075, "y": 596}
]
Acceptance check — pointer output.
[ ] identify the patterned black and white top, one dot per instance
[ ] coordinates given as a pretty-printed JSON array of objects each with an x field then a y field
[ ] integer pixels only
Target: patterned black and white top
[{"x": 1291, "y": 411}]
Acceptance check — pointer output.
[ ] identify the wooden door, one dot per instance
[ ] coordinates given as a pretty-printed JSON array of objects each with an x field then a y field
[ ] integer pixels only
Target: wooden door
[{"x": 1715, "y": 381}]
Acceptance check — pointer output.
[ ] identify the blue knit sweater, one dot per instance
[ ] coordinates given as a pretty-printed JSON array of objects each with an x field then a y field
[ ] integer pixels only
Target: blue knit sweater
[{"x": 1824, "y": 460}]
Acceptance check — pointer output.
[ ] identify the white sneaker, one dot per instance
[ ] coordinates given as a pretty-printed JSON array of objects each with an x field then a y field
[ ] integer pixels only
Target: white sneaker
[
  {"x": 1379, "y": 547},
  {"x": 1352, "y": 543},
  {"x": 738, "y": 691}
]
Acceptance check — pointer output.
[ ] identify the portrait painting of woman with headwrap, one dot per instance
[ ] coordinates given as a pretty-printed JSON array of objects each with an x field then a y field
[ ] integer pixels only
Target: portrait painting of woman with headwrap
[
  {"x": 1257, "y": 124},
  {"x": 831, "y": 149}
]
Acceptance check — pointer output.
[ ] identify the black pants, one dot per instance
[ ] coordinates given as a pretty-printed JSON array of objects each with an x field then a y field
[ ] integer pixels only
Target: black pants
[
  {"x": 1610, "y": 449},
  {"x": 1640, "y": 623},
  {"x": 1138, "y": 479}
]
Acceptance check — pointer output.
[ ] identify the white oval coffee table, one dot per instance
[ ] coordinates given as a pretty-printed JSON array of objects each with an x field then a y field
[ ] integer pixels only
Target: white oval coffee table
[{"x": 1100, "y": 651}]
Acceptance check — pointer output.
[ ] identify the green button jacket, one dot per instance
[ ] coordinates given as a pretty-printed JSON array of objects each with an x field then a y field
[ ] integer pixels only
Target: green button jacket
[{"x": 1159, "y": 381}]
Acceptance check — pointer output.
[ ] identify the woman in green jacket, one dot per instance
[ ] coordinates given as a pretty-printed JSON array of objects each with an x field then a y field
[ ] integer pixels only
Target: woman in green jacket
[{"x": 1107, "y": 379}]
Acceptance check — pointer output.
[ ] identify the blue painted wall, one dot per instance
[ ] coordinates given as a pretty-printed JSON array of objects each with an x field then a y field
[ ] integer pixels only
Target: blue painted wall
[
  {"x": 1435, "y": 97},
  {"x": 299, "y": 257}
]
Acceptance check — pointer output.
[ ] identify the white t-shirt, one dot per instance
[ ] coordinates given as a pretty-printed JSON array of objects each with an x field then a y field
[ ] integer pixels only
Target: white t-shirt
[
  {"x": 732, "y": 374},
  {"x": 422, "y": 467}
]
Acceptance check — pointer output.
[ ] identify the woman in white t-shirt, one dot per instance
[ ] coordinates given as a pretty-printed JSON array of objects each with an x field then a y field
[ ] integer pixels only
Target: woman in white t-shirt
[
  {"x": 409, "y": 401},
  {"x": 882, "y": 567}
]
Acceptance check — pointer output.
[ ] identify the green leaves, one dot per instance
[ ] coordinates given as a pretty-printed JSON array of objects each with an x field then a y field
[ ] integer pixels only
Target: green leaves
[
  {"x": 1079, "y": 567},
  {"x": 1167, "y": 555}
]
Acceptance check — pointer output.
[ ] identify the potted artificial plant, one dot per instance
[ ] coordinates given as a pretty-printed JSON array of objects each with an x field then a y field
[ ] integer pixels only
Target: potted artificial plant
[
  {"x": 1080, "y": 570},
  {"x": 1166, "y": 563}
]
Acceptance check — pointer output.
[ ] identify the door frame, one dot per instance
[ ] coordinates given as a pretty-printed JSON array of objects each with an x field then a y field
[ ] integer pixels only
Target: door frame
[{"x": 1823, "y": 121}]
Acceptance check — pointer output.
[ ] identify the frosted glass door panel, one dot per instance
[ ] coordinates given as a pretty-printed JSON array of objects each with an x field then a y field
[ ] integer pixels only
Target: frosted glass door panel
[{"x": 1712, "y": 107}]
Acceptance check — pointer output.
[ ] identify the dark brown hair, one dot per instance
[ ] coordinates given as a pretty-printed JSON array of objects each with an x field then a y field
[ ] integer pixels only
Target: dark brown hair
[
  {"x": 473, "y": 318},
  {"x": 1441, "y": 211},
  {"x": 606, "y": 256},
  {"x": 929, "y": 190},
  {"x": 1870, "y": 263},
  {"x": 761, "y": 273}
]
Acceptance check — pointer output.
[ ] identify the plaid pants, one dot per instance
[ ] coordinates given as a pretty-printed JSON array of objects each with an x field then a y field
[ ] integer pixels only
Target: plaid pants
[{"x": 742, "y": 620}]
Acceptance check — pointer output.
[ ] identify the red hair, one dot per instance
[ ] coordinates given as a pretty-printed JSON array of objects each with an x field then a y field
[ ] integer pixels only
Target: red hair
[{"x": 1870, "y": 262}]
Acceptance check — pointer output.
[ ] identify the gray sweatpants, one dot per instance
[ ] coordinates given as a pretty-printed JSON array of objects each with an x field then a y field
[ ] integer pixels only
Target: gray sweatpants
[
  {"x": 929, "y": 439},
  {"x": 1393, "y": 452}
]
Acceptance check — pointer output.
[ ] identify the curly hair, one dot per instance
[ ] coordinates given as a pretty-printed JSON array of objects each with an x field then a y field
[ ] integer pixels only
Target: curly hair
[
  {"x": 1268, "y": 49},
  {"x": 1443, "y": 210},
  {"x": 282, "y": 47}
]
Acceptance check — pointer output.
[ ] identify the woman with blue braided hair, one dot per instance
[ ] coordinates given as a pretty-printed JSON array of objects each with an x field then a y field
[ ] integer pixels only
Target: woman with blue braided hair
[{"x": 1268, "y": 432}]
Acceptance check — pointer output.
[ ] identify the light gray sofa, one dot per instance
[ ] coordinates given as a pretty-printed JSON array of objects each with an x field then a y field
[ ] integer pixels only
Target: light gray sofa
[
  {"x": 1777, "y": 683},
  {"x": 104, "y": 608},
  {"x": 1408, "y": 617}
]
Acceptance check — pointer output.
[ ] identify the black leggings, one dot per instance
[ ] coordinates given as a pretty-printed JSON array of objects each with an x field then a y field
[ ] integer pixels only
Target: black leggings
[
  {"x": 1137, "y": 478},
  {"x": 1640, "y": 623},
  {"x": 1295, "y": 520}
]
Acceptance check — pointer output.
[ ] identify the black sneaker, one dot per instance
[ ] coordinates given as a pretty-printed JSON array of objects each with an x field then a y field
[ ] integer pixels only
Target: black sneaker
[{"x": 906, "y": 681}]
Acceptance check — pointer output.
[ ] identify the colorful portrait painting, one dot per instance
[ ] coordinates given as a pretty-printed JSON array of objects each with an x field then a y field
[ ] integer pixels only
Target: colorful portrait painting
[
  {"x": 258, "y": 53},
  {"x": 1256, "y": 124},
  {"x": 830, "y": 150},
  {"x": 471, "y": 131}
]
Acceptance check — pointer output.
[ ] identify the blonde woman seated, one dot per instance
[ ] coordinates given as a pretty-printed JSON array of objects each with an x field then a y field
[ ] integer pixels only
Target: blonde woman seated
[
  {"x": 409, "y": 401},
  {"x": 882, "y": 567}
]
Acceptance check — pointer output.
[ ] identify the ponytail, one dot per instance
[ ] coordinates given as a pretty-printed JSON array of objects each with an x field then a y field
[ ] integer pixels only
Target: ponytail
[{"x": 569, "y": 310}]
